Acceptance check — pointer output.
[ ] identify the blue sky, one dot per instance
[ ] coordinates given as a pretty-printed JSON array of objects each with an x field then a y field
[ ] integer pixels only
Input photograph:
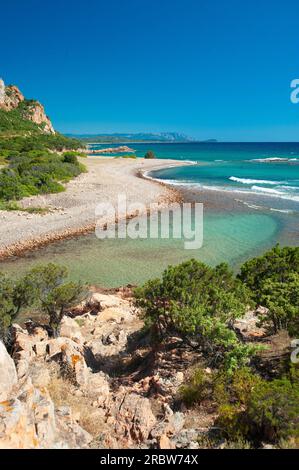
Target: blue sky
[{"x": 218, "y": 69}]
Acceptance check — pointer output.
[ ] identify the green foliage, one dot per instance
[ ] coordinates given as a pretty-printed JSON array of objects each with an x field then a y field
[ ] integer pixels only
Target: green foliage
[
  {"x": 7, "y": 307},
  {"x": 44, "y": 287},
  {"x": 252, "y": 408},
  {"x": 70, "y": 157},
  {"x": 274, "y": 281},
  {"x": 275, "y": 264},
  {"x": 49, "y": 290},
  {"x": 282, "y": 300},
  {"x": 36, "y": 172},
  {"x": 273, "y": 409},
  {"x": 150, "y": 154},
  {"x": 235, "y": 388},
  {"x": 32, "y": 166},
  {"x": 13, "y": 121},
  {"x": 197, "y": 388},
  {"x": 14, "y": 206},
  {"x": 13, "y": 298},
  {"x": 199, "y": 304}
]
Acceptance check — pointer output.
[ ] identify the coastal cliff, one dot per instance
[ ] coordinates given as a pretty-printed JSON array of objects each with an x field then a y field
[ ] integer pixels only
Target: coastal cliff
[{"x": 11, "y": 98}]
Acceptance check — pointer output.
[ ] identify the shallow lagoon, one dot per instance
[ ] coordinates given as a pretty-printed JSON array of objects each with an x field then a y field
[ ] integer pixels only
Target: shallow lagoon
[{"x": 229, "y": 237}]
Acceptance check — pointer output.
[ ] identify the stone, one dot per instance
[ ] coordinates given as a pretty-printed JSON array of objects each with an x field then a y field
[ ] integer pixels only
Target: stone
[
  {"x": 22, "y": 368},
  {"x": 247, "y": 326},
  {"x": 134, "y": 418},
  {"x": 16, "y": 432},
  {"x": 11, "y": 97},
  {"x": 75, "y": 362},
  {"x": 69, "y": 328},
  {"x": 103, "y": 301},
  {"x": 185, "y": 438},
  {"x": 169, "y": 427},
  {"x": 98, "y": 387},
  {"x": 39, "y": 334},
  {"x": 8, "y": 373},
  {"x": 164, "y": 443},
  {"x": 40, "y": 348},
  {"x": 39, "y": 375}
]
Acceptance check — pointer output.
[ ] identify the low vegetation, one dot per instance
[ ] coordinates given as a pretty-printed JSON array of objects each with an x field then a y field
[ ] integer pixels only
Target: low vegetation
[
  {"x": 33, "y": 167},
  {"x": 150, "y": 154},
  {"x": 250, "y": 408},
  {"x": 198, "y": 305},
  {"x": 45, "y": 288},
  {"x": 274, "y": 282}
]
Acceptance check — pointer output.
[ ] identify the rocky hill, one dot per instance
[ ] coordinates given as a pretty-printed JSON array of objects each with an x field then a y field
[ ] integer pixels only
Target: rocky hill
[
  {"x": 91, "y": 386},
  {"x": 101, "y": 384},
  {"x": 19, "y": 114}
]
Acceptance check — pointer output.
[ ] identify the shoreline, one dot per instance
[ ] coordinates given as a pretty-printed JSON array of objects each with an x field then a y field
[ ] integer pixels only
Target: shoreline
[{"x": 21, "y": 232}]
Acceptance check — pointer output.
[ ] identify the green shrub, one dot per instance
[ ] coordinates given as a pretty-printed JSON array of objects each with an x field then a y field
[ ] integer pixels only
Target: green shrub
[
  {"x": 282, "y": 301},
  {"x": 43, "y": 287},
  {"x": 37, "y": 172},
  {"x": 13, "y": 298},
  {"x": 235, "y": 388},
  {"x": 197, "y": 388},
  {"x": 274, "y": 281},
  {"x": 276, "y": 264},
  {"x": 50, "y": 291},
  {"x": 149, "y": 154},
  {"x": 255, "y": 409},
  {"x": 273, "y": 410},
  {"x": 70, "y": 157},
  {"x": 199, "y": 304}
]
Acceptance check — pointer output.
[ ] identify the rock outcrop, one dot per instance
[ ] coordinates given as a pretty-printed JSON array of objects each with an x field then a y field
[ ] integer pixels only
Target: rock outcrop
[
  {"x": 35, "y": 112},
  {"x": 8, "y": 375},
  {"x": 12, "y": 98},
  {"x": 93, "y": 386}
]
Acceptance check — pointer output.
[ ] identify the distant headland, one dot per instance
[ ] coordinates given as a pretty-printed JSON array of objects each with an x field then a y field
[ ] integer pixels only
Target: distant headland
[{"x": 159, "y": 137}]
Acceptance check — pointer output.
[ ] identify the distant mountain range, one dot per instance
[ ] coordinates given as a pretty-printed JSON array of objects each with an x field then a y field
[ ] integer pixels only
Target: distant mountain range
[{"x": 137, "y": 137}]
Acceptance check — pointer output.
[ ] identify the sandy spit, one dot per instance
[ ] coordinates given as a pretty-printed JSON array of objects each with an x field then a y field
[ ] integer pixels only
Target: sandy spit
[{"x": 72, "y": 212}]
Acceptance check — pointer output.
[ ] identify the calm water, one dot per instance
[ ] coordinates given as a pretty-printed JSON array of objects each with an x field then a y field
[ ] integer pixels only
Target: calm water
[{"x": 251, "y": 201}]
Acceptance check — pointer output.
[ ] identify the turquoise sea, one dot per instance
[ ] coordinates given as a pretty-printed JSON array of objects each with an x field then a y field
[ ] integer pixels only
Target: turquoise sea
[{"x": 250, "y": 193}]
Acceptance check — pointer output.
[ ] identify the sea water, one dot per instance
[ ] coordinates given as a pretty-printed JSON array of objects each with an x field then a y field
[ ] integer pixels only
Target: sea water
[{"x": 251, "y": 201}]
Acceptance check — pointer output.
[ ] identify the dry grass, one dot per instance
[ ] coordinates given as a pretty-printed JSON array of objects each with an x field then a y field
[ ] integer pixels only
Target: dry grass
[{"x": 62, "y": 393}]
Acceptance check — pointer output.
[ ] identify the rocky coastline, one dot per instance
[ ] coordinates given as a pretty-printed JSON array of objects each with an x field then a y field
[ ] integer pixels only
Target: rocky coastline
[{"x": 112, "y": 150}]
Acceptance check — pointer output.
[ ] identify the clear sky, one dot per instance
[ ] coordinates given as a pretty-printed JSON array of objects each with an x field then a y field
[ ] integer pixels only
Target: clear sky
[{"x": 212, "y": 69}]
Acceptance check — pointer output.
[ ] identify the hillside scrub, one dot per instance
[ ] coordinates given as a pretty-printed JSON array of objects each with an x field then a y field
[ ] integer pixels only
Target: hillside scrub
[
  {"x": 34, "y": 171},
  {"x": 45, "y": 288},
  {"x": 273, "y": 280},
  {"x": 199, "y": 304}
]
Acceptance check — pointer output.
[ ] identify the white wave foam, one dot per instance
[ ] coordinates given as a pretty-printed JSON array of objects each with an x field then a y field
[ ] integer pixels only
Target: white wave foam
[
  {"x": 266, "y": 190},
  {"x": 251, "y": 206},
  {"x": 258, "y": 190},
  {"x": 251, "y": 181},
  {"x": 274, "y": 159},
  {"x": 283, "y": 211}
]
